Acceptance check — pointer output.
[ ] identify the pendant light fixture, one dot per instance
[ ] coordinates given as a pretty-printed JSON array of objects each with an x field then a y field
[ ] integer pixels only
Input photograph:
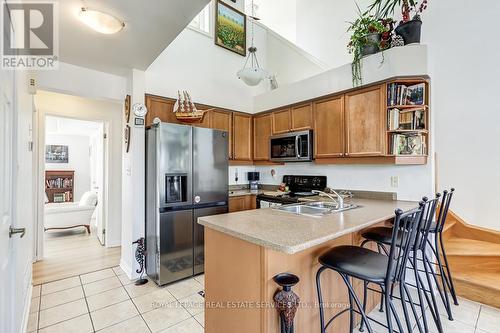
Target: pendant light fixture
[{"x": 254, "y": 74}]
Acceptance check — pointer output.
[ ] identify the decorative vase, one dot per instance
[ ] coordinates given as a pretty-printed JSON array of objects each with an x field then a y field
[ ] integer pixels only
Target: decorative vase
[
  {"x": 372, "y": 44},
  {"x": 286, "y": 301},
  {"x": 410, "y": 31}
]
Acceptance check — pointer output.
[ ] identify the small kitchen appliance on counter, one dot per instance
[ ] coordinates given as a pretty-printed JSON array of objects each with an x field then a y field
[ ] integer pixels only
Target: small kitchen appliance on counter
[
  {"x": 300, "y": 186},
  {"x": 253, "y": 179}
]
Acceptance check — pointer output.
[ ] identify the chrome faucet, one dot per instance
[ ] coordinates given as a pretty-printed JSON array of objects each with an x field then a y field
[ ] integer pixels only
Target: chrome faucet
[{"x": 339, "y": 200}]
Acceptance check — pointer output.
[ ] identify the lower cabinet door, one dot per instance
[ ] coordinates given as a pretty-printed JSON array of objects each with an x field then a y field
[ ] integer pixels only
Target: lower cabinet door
[{"x": 198, "y": 235}]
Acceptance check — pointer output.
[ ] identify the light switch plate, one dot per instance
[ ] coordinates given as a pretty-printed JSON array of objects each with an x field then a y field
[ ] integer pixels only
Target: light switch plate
[{"x": 395, "y": 181}]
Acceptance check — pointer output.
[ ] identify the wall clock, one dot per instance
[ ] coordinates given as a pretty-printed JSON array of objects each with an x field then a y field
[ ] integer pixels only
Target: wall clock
[
  {"x": 139, "y": 110},
  {"x": 127, "y": 108}
]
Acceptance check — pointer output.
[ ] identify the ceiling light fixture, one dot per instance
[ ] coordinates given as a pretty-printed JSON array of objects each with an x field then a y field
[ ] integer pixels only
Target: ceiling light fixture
[
  {"x": 254, "y": 74},
  {"x": 100, "y": 21}
]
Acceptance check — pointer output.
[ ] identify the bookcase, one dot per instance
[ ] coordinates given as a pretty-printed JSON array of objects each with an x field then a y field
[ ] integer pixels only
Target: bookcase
[
  {"x": 59, "y": 185},
  {"x": 407, "y": 119}
]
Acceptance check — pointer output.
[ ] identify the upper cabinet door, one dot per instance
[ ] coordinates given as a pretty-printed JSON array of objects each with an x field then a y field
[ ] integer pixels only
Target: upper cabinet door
[
  {"x": 302, "y": 118},
  {"x": 159, "y": 107},
  {"x": 329, "y": 127},
  {"x": 242, "y": 137},
  {"x": 281, "y": 121},
  {"x": 222, "y": 120},
  {"x": 262, "y": 131},
  {"x": 364, "y": 112}
]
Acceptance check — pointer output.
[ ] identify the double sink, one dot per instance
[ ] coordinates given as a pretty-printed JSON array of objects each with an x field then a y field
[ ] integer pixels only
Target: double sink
[{"x": 317, "y": 208}]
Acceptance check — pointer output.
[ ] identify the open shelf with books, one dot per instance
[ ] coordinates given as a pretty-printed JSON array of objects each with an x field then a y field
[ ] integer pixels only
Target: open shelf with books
[
  {"x": 59, "y": 185},
  {"x": 407, "y": 119}
]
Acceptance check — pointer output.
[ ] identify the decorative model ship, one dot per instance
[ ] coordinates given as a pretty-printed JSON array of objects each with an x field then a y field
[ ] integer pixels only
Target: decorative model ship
[{"x": 186, "y": 111}]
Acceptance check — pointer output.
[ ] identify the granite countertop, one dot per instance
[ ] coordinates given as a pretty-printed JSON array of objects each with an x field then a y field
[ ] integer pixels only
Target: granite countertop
[
  {"x": 242, "y": 192},
  {"x": 292, "y": 233}
]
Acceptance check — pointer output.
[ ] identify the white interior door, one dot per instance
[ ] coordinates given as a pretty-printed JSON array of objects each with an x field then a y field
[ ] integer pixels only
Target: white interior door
[
  {"x": 97, "y": 181},
  {"x": 7, "y": 216}
]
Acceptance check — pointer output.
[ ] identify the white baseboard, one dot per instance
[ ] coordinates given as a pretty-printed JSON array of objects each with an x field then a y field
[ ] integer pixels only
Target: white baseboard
[
  {"x": 26, "y": 312},
  {"x": 127, "y": 269}
]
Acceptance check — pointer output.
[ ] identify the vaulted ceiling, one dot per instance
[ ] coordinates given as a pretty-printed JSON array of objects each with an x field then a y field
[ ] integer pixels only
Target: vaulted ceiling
[{"x": 150, "y": 26}]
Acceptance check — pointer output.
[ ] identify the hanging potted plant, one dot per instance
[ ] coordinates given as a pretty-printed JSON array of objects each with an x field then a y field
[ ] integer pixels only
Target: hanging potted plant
[
  {"x": 365, "y": 40},
  {"x": 410, "y": 27}
]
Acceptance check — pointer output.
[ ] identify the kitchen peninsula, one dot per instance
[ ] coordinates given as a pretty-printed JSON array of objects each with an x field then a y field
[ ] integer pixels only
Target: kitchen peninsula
[{"x": 244, "y": 250}]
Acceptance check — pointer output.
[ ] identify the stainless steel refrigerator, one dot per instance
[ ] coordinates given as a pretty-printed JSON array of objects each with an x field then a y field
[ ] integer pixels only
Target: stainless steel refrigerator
[{"x": 186, "y": 178}]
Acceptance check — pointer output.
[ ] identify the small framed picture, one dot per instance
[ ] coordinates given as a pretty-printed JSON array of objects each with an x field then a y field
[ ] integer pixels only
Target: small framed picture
[
  {"x": 230, "y": 28},
  {"x": 56, "y": 154},
  {"x": 139, "y": 121}
]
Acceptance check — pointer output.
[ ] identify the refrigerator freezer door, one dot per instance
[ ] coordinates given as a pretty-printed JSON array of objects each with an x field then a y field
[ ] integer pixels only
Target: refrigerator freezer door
[
  {"x": 199, "y": 253},
  {"x": 210, "y": 166},
  {"x": 176, "y": 246},
  {"x": 174, "y": 157}
]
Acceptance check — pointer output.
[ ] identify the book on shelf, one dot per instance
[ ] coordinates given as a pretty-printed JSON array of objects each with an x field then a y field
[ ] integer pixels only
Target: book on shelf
[
  {"x": 413, "y": 119},
  {"x": 408, "y": 144},
  {"x": 400, "y": 94},
  {"x": 59, "y": 183}
]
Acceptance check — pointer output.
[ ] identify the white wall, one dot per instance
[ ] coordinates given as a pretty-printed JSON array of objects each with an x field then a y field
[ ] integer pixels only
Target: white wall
[
  {"x": 463, "y": 63},
  {"x": 79, "y": 160},
  {"x": 55, "y": 104},
  {"x": 133, "y": 180},
  {"x": 241, "y": 171},
  {"x": 83, "y": 82},
  {"x": 322, "y": 26},
  {"x": 278, "y": 15},
  {"x": 193, "y": 62},
  {"x": 414, "y": 181},
  {"x": 400, "y": 61}
]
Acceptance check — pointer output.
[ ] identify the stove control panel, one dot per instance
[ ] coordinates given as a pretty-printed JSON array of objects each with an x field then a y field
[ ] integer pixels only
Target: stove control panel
[{"x": 305, "y": 183}]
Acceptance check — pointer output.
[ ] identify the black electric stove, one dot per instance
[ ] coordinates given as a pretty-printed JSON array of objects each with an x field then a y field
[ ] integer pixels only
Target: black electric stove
[{"x": 300, "y": 186}]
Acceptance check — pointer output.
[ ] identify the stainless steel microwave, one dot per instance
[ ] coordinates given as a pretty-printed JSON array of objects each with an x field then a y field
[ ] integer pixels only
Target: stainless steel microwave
[{"x": 292, "y": 147}]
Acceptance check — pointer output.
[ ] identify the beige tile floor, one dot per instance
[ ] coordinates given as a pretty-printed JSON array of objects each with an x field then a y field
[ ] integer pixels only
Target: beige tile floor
[{"x": 107, "y": 301}]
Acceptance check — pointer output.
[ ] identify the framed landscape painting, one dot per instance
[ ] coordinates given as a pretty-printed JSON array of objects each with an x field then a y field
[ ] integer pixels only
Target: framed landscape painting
[{"x": 230, "y": 28}]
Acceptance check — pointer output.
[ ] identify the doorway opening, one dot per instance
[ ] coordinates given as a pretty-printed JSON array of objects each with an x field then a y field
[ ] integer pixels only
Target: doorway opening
[{"x": 74, "y": 165}]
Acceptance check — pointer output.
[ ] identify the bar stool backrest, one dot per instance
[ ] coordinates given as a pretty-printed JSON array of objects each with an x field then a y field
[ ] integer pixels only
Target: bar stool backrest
[
  {"x": 428, "y": 216},
  {"x": 404, "y": 232},
  {"x": 443, "y": 210}
]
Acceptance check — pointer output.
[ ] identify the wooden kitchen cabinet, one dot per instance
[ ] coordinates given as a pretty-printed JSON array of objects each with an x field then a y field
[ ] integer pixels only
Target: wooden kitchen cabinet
[
  {"x": 301, "y": 117},
  {"x": 242, "y": 137},
  {"x": 297, "y": 118},
  {"x": 365, "y": 122},
  {"x": 281, "y": 121},
  {"x": 241, "y": 203},
  {"x": 262, "y": 131},
  {"x": 329, "y": 127},
  {"x": 159, "y": 107},
  {"x": 222, "y": 120}
]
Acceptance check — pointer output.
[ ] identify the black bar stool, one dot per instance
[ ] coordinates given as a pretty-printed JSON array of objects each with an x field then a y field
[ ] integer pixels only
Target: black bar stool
[
  {"x": 381, "y": 235},
  {"x": 373, "y": 267},
  {"x": 438, "y": 249}
]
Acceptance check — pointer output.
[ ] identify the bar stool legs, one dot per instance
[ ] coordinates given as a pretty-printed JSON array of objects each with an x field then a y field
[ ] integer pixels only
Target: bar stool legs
[{"x": 448, "y": 278}]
